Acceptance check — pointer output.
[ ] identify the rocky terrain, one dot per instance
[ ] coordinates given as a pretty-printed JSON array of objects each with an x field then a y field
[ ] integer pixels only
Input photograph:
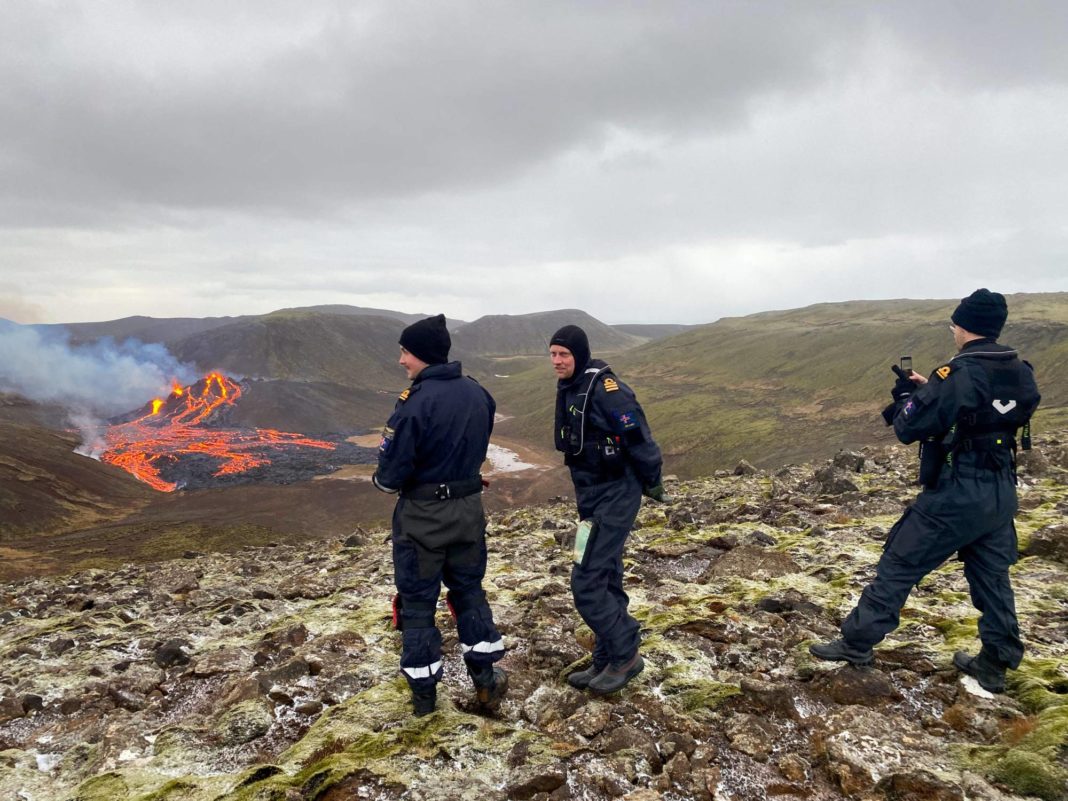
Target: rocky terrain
[{"x": 270, "y": 673}]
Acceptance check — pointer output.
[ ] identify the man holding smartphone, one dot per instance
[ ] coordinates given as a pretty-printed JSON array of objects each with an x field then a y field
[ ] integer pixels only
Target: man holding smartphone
[
  {"x": 607, "y": 444},
  {"x": 966, "y": 414}
]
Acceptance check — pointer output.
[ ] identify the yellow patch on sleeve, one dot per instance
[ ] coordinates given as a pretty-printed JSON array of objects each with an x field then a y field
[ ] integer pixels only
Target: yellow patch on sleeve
[
  {"x": 404, "y": 395},
  {"x": 943, "y": 372},
  {"x": 610, "y": 385}
]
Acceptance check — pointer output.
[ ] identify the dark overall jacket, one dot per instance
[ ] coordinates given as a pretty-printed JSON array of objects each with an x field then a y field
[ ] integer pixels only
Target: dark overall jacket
[
  {"x": 431, "y": 451},
  {"x": 601, "y": 429},
  {"x": 967, "y": 416}
]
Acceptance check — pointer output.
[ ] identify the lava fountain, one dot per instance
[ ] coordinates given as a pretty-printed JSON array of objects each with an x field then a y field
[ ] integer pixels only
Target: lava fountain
[{"x": 185, "y": 433}]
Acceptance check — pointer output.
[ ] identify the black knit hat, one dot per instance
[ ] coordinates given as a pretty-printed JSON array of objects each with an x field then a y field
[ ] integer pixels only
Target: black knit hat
[
  {"x": 983, "y": 312},
  {"x": 575, "y": 340},
  {"x": 428, "y": 340}
]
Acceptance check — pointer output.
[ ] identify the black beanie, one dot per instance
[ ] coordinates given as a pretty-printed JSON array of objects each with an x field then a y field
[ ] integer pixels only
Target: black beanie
[
  {"x": 428, "y": 340},
  {"x": 574, "y": 339},
  {"x": 983, "y": 312}
]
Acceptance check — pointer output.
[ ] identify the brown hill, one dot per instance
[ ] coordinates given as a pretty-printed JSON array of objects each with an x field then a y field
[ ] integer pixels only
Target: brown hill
[
  {"x": 45, "y": 487},
  {"x": 528, "y": 334}
]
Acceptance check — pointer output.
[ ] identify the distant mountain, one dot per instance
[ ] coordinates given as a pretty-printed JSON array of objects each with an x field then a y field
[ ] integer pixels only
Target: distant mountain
[
  {"x": 791, "y": 386},
  {"x": 652, "y": 331},
  {"x": 145, "y": 329},
  {"x": 171, "y": 329},
  {"x": 299, "y": 345},
  {"x": 528, "y": 334},
  {"x": 363, "y": 311}
]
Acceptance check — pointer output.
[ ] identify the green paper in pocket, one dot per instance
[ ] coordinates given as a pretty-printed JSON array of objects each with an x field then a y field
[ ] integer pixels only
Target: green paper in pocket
[{"x": 583, "y": 535}]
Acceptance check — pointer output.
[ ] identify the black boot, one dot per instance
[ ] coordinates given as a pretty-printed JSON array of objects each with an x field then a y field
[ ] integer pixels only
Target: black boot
[
  {"x": 581, "y": 679},
  {"x": 842, "y": 651},
  {"x": 491, "y": 684},
  {"x": 423, "y": 701},
  {"x": 984, "y": 667},
  {"x": 616, "y": 676}
]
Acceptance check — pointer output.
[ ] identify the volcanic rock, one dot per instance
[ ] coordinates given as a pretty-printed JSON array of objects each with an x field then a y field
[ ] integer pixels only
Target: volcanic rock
[
  {"x": 171, "y": 653},
  {"x": 849, "y": 461},
  {"x": 1050, "y": 542},
  {"x": 300, "y": 697}
]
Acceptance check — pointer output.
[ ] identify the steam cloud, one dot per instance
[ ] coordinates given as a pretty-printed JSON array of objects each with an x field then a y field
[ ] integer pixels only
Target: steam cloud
[{"x": 102, "y": 378}]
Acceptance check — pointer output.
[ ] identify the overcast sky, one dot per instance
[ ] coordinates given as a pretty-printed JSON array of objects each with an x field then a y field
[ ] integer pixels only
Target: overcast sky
[{"x": 647, "y": 162}]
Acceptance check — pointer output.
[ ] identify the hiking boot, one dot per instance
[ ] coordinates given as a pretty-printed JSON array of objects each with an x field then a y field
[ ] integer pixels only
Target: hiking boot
[
  {"x": 616, "y": 676},
  {"x": 842, "y": 651},
  {"x": 423, "y": 702},
  {"x": 984, "y": 668},
  {"x": 581, "y": 679},
  {"x": 491, "y": 684}
]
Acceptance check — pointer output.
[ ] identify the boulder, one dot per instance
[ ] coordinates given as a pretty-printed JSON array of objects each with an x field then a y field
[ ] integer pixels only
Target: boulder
[{"x": 1050, "y": 542}]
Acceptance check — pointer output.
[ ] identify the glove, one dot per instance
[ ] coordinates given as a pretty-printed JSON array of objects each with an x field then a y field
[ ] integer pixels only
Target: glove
[
  {"x": 656, "y": 492},
  {"x": 903, "y": 387}
]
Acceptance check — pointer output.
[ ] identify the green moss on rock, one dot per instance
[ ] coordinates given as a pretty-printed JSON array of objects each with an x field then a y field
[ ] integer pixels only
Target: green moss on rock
[{"x": 1027, "y": 773}]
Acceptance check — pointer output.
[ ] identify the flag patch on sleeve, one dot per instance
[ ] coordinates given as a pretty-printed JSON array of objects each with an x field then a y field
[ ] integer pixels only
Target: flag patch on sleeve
[{"x": 387, "y": 439}]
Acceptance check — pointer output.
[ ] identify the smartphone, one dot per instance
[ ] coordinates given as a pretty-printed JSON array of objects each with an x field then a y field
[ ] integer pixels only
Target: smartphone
[{"x": 906, "y": 364}]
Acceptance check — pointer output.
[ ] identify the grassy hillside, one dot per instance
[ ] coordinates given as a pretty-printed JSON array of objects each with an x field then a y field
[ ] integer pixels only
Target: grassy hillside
[
  {"x": 788, "y": 386},
  {"x": 45, "y": 486},
  {"x": 528, "y": 334},
  {"x": 301, "y": 346},
  {"x": 363, "y": 311},
  {"x": 652, "y": 331}
]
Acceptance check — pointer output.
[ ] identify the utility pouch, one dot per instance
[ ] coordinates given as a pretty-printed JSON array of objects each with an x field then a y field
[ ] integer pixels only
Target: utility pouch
[
  {"x": 583, "y": 537},
  {"x": 613, "y": 457},
  {"x": 932, "y": 459}
]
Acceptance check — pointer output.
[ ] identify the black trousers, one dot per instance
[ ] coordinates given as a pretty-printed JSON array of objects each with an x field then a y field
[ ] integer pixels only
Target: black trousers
[
  {"x": 437, "y": 542},
  {"x": 597, "y": 583},
  {"x": 969, "y": 513}
]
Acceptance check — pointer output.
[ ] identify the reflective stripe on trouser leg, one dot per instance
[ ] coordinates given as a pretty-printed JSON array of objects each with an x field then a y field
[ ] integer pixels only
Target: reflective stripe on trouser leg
[
  {"x": 480, "y": 641},
  {"x": 427, "y": 672},
  {"x": 420, "y": 660}
]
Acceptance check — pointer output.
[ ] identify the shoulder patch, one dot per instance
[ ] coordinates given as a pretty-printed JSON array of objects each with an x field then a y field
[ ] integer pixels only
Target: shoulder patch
[
  {"x": 387, "y": 439},
  {"x": 610, "y": 385},
  {"x": 404, "y": 395},
  {"x": 943, "y": 372}
]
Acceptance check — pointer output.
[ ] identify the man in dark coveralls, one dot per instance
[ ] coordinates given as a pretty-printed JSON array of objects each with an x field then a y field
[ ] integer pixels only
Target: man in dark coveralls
[
  {"x": 431, "y": 451},
  {"x": 966, "y": 414},
  {"x": 602, "y": 431}
]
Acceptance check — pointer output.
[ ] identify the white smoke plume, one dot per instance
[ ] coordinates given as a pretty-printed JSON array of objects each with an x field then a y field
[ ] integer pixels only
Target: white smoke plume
[{"x": 93, "y": 380}]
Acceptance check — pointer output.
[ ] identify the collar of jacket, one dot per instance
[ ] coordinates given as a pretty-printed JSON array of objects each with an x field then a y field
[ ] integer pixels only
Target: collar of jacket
[
  {"x": 580, "y": 375},
  {"x": 438, "y": 372}
]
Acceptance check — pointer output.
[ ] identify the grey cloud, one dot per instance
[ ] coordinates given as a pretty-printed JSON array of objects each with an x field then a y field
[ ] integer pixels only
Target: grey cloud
[{"x": 384, "y": 101}]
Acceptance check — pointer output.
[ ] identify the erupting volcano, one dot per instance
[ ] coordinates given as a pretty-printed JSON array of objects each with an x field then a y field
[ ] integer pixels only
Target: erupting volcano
[{"x": 182, "y": 441}]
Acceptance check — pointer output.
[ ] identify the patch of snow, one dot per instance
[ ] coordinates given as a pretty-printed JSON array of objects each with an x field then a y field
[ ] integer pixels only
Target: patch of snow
[
  {"x": 972, "y": 686},
  {"x": 503, "y": 460},
  {"x": 46, "y": 763}
]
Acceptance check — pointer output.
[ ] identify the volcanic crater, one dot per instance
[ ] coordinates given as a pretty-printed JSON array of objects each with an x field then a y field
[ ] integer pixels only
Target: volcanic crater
[{"x": 186, "y": 441}]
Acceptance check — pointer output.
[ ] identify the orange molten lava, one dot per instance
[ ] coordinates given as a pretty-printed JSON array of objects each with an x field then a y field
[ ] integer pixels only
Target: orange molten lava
[{"x": 174, "y": 427}]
